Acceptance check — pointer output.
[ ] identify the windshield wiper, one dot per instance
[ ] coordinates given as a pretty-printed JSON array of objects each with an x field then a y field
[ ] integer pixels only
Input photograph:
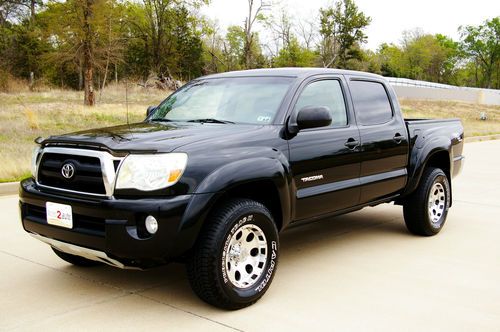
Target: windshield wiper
[
  {"x": 162, "y": 120},
  {"x": 209, "y": 120}
]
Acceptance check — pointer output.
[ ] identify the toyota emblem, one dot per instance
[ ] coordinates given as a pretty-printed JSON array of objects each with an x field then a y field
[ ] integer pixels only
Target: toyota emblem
[{"x": 68, "y": 170}]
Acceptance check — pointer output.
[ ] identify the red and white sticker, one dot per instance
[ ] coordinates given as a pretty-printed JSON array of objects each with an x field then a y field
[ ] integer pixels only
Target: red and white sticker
[{"x": 59, "y": 215}]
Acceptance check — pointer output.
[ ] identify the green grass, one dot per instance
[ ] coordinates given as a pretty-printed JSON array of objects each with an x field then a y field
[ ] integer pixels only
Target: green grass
[{"x": 15, "y": 179}]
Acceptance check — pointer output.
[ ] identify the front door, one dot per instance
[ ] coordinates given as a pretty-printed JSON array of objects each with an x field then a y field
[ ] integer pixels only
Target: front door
[{"x": 325, "y": 161}]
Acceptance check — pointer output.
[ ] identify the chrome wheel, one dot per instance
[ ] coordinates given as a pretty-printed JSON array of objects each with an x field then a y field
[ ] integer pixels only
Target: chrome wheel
[
  {"x": 437, "y": 202},
  {"x": 246, "y": 256}
]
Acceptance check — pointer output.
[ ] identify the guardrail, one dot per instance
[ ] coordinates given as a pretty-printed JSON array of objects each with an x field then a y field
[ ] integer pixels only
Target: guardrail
[{"x": 415, "y": 89}]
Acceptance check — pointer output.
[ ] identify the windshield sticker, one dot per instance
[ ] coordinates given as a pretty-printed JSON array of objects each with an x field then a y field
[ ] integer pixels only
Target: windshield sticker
[{"x": 263, "y": 118}]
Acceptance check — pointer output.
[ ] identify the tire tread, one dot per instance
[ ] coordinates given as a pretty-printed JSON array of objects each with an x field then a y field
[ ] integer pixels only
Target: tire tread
[
  {"x": 204, "y": 259},
  {"x": 415, "y": 206}
]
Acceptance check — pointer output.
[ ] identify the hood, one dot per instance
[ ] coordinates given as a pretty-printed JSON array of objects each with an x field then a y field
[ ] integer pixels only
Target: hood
[{"x": 149, "y": 136}]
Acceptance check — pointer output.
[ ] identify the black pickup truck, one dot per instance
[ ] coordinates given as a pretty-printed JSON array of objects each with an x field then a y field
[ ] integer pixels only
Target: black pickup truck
[{"x": 225, "y": 163}]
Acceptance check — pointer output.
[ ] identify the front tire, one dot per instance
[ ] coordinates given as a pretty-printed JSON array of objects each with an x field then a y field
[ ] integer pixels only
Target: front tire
[
  {"x": 426, "y": 209},
  {"x": 236, "y": 256}
]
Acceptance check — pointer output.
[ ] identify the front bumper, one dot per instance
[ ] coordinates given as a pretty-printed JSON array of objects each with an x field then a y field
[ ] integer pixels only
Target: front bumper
[{"x": 112, "y": 227}]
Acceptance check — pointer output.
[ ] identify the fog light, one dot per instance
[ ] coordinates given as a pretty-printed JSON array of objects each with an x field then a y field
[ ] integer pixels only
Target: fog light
[{"x": 151, "y": 224}]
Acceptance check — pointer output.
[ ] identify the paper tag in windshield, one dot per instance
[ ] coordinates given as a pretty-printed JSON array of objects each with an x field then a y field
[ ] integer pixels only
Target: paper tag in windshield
[{"x": 263, "y": 118}]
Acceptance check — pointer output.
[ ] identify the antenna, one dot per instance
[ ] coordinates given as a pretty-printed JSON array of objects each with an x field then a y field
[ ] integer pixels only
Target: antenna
[{"x": 126, "y": 97}]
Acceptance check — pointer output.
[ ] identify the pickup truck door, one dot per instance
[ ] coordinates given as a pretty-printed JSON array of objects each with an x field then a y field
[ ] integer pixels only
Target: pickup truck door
[
  {"x": 325, "y": 161},
  {"x": 384, "y": 139}
]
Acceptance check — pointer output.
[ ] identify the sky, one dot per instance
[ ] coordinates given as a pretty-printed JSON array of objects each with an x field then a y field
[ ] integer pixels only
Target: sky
[{"x": 389, "y": 17}]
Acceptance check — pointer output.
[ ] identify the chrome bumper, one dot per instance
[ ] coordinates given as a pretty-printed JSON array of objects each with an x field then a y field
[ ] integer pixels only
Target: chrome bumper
[{"x": 91, "y": 254}]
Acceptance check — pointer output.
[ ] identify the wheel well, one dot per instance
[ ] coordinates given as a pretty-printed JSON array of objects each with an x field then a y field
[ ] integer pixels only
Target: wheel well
[
  {"x": 440, "y": 160},
  {"x": 264, "y": 192}
]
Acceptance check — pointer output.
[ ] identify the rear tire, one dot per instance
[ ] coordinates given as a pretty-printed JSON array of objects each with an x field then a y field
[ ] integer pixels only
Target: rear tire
[
  {"x": 426, "y": 209},
  {"x": 236, "y": 256},
  {"x": 75, "y": 260}
]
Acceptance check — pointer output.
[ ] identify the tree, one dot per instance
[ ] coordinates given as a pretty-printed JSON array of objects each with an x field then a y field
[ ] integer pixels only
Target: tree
[
  {"x": 18, "y": 9},
  {"x": 307, "y": 31},
  {"x": 281, "y": 29},
  {"x": 88, "y": 51},
  {"x": 421, "y": 56},
  {"x": 188, "y": 45},
  {"x": 157, "y": 26},
  {"x": 341, "y": 28},
  {"x": 254, "y": 13},
  {"x": 448, "y": 70},
  {"x": 294, "y": 55},
  {"x": 234, "y": 48},
  {"x": 481, "y": 43},
  {"x": 212, "y": 43},
  {"x": 86, "y": 42}
]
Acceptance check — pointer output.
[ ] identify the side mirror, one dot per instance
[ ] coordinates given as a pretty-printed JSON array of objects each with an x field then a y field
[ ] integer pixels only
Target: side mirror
[
  {"x": 314, "y": 117},
  {"x": 150, "y": 110}
]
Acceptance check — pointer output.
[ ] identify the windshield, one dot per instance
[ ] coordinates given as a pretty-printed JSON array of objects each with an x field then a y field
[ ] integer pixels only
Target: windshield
[{"x": 252, "y": 100}]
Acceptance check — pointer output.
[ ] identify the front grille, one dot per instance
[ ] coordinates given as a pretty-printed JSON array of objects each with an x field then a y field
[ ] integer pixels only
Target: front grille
[
  {"x": 81, "y": 223},
  {"x": 87, "y": 175}
]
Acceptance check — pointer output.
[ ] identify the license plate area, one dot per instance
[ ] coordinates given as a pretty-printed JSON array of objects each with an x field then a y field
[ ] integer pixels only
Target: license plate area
[{"x": 59, "y": 215}]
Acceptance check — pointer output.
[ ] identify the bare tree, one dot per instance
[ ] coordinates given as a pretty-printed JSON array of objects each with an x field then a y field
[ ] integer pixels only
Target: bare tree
[
  {"x": 281, "y": 27},
  {"x": 254, "y": 13},
  {"x": 307, "y": 32}
]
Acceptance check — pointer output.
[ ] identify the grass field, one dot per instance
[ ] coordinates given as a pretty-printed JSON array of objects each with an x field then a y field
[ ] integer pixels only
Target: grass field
[
  {"x": 468, "y": 113},
  {"x": 25, "y": 116}
]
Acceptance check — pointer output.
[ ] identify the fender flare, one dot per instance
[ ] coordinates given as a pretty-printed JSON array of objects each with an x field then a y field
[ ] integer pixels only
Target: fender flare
[
  {"x": 421, "y": 156},
  {"x": 226, "y": 178}
]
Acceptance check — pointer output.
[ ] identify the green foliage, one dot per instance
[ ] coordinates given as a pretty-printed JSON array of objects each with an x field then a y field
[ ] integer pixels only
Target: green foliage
[
  {"x": 422, "y": 56},
  {"x": 233, "y": 52},
  {"x": 294, "y": 55},
  {"x": 138, "y": 39},
  {"x": 342, "y": 29},
  {"x": 482, "y": 44}
]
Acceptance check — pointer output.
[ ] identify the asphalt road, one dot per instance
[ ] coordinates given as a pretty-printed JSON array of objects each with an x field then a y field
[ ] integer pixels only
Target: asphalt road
[{"x": 361, "y": 271}]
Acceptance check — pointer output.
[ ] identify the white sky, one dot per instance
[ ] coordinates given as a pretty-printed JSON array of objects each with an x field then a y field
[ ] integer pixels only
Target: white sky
[{"x": 389, "y": 17}]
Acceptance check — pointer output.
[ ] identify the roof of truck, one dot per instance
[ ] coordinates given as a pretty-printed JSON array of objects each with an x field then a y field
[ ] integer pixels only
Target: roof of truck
[{"x": 290, "y": 72}]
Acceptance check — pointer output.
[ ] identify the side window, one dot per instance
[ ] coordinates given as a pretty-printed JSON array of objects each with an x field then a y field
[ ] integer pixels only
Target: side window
[
  {"x": 371, "y": 102},
  {"x": 325, "y": 93}
]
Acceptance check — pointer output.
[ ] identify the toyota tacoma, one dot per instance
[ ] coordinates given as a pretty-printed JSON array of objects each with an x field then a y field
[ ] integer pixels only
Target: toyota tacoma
[{"x": 224, "y": 164}]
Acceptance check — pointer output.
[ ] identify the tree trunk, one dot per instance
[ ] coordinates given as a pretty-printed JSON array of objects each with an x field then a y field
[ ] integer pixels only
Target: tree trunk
[
  {"x": 80, "y": 76},
  {"x": 105, "y": 77},
  {"x": 247, "y": 47},
  {"x": 89, "y": 98},
  {"x": 32, "y": 11}
]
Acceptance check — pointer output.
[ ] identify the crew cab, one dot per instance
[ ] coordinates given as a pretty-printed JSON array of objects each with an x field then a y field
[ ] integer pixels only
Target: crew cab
[{"x": 224, "y": 164}]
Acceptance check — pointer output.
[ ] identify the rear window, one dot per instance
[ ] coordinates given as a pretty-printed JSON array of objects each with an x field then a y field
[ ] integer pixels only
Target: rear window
[{"x": 371, "y": 102}]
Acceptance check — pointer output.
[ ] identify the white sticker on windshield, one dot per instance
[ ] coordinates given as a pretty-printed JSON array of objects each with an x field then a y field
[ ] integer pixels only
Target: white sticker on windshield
[{"x": 264, "y": 118}]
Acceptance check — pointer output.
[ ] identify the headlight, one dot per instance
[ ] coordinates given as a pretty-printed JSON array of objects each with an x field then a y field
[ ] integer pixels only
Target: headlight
[
  {"x": 34, "y": 159},
  {"x": 151, "y": 172}
]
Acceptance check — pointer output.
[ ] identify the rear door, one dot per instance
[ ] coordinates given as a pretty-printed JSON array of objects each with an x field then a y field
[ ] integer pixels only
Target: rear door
[
  {"x": 384, "y": 139},
  {"x": 325, "y": 161}
]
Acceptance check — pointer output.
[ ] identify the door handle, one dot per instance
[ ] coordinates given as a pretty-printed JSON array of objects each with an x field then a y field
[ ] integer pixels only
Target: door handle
[
  {"x": 398, "y": 138},
  {"x": 351, "y": 143}
]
